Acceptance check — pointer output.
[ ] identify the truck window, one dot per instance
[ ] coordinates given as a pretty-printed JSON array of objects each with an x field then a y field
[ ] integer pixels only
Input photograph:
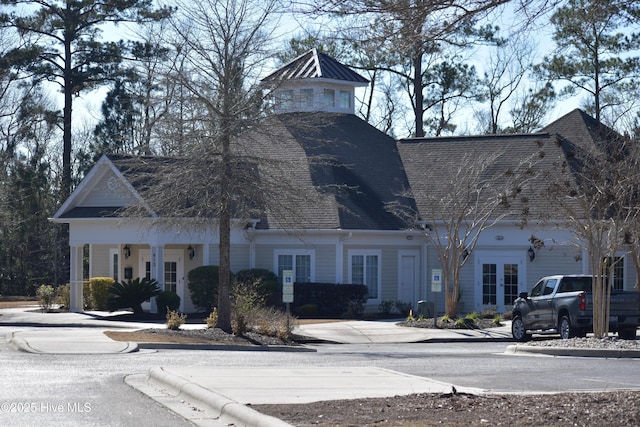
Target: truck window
[
  {"x": 550, "y": 286},
  {"x": 537, "y": 289},
  {"x": 579, "y": 284}
]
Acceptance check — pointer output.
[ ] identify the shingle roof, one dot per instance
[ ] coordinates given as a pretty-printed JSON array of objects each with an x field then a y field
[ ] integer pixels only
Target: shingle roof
[
  {"x": 579, "y": 128},
  {"x": 439, "y": 168},
  {"x": 315, "y": 65},
  {"x": 353, "y": 168}
]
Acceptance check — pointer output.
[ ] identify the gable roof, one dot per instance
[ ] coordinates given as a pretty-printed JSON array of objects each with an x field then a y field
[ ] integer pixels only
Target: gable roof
[
  {"x": 579, "y": 128},
  {"x": 315, "y": 65}
]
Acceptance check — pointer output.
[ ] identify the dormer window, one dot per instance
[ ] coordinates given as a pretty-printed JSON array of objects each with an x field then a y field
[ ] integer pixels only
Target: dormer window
[
  {"x": 344, "y": 100},
  {"x": 285, "y": 99},
  {"x": 306, "y": 98},
  {"x": 329, "y": 98}
]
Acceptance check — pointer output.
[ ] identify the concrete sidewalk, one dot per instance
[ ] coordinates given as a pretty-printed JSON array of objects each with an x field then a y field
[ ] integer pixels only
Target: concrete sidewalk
[
  {"x": 389, "y": 332},
  {"x": 83, "y": 333},
  {"x": 219, "y": 397}
]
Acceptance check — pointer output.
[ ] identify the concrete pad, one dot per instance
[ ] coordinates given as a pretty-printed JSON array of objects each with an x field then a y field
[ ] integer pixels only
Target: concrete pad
[
  {"x": 362, "y": 332},
  {"x": 384, "y": 332},
  {"x": 69, "y": 341},
  {"x": 301, "y": 385}
]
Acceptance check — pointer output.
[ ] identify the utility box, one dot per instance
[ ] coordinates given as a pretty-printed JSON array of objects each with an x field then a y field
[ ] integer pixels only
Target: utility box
[{"x": 425, "y": 308}]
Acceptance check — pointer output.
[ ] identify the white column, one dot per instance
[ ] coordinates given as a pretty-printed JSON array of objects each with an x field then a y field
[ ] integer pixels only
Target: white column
[
  {"x": 205, "y": 254},
  {"x": 75, "y": 279},
  {"x": 157, "y": 271}
]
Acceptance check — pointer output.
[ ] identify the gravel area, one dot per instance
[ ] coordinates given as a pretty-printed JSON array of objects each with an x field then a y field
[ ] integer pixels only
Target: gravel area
[{"x": 608, "y": 343}]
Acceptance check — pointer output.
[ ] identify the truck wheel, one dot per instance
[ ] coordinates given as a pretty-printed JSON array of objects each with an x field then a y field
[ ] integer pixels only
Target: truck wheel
[
  {"x": 518, "y": 330},
  {"x": 627, "y": 334},
  {"x": 565, "y": 328}
]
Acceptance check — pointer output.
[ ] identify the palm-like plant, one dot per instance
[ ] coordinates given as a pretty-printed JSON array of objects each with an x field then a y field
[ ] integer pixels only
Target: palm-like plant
[{"x": 132, "y": 293}]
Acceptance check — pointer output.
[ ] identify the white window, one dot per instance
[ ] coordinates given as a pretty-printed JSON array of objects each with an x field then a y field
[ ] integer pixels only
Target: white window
[
  {"x": 301, "y": 262},
  {"x": 344, "y": 100},
  {"x": 329, "y": 98},
  {"x": 114, "y": 264},
  {"x": 365, "y": 269},
  {"x": 285, "y": 99},
  {"x": 306, "y": 97},
  {"x": 618, "y": 271}
]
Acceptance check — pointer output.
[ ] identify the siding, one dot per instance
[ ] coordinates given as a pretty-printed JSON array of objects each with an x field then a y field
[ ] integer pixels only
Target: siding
[
  {"x": 101, "y": 260},
  {"x": 101, "y": 195},
  {"x": 324, "y": 255}
]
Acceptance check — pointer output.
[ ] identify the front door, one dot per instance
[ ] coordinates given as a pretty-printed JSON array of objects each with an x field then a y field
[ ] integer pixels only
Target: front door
[
  {"x": 498, "y": 282},
  {"x": 408, "y": 278},
  {"x": 173, "y": 277}
]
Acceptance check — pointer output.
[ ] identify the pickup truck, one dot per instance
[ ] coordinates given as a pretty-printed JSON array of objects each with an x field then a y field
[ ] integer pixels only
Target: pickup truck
[{"x": 563, "y": 304}]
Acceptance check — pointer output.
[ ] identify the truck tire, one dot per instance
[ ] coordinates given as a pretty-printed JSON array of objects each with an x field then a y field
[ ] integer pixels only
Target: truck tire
[
  {"x": 566, "y": 330},
  {"x": 518, "y": 330},
  {"x": 627, "y": 334}
]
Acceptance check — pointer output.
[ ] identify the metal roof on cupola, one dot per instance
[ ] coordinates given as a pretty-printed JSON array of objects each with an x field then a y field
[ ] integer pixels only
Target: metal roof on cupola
[
  {"x": 316, "y": 65},
  {"x": 314, "y": 82}
]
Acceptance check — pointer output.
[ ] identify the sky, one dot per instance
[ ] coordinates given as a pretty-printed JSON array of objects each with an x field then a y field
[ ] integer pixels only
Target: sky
[{"x": 87, "y": 106}]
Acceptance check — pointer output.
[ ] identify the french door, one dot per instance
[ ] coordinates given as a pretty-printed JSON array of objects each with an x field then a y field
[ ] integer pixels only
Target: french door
[{"x": 498, "y": 281}]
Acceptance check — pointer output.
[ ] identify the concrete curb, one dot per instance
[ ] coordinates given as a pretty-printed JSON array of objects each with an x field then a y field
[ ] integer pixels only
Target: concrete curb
[
  {"x": 227, "y": 408},
  {"x": 223, "y": 347},
  {"x": 121, "y": 347},
  {"x": 572, "y": 352}
]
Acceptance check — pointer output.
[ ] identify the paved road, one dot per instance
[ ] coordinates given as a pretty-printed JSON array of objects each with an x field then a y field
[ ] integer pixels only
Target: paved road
[
  {"x": 98, "y": 380},
  {"x": 91, "y": 389}
]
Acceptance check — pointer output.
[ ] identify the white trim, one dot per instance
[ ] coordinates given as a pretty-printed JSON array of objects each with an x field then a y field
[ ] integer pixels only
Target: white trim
[
  {"x": 310, "y": 252},
  {"x": 112, "y": 252},
  {"x": 367, "y": 252},
  {"x": 500, "y": 258}
]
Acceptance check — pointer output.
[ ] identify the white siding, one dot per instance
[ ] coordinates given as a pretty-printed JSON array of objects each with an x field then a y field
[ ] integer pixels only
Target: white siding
[{"x": 107, "y": 192}]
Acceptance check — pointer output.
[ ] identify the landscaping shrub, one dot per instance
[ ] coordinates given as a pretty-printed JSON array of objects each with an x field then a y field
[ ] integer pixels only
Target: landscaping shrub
[
  {"x": 272, "y": 322},
  {"x": 63, "y": 296},
  {"x": 212, "y": 319},
  {"x": 45, "y": 294},
  {"x": 403, "y": 307},
  {"x": 332, "y": 300},
  {"x": 266, "y": 283},
  {"x": 175, "y": 320},
  {"x": 131, "y": 294},
  {"x": 203, "y": 286},
  {"x": 167, "y": 301},
  {"x": 99, "y": 292},
  {"x": 387, "y": 306},
  {"x": 245, "y": 299},
  {"x": 308, "y": 310}
]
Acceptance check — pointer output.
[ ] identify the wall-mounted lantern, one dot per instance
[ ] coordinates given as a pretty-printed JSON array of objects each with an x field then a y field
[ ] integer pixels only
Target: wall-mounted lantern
[{"x": 532, "y": 253}]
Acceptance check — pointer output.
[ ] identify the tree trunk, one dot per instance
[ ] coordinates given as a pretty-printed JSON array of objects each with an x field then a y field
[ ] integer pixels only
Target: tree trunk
[
  {"x": 224, "y": 278},
  {"x": 418, "y": 95}
]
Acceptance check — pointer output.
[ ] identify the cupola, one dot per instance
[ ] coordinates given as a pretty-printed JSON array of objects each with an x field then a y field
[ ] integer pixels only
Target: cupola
[{"x": 314, "y": 81}]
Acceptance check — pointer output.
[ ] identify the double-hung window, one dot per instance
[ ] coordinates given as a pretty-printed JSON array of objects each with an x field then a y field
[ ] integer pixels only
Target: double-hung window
[
  {"x": 301, "y": 262},
  {"x": 365, "y": 269},
  {"x": 618, "y": 271}
]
